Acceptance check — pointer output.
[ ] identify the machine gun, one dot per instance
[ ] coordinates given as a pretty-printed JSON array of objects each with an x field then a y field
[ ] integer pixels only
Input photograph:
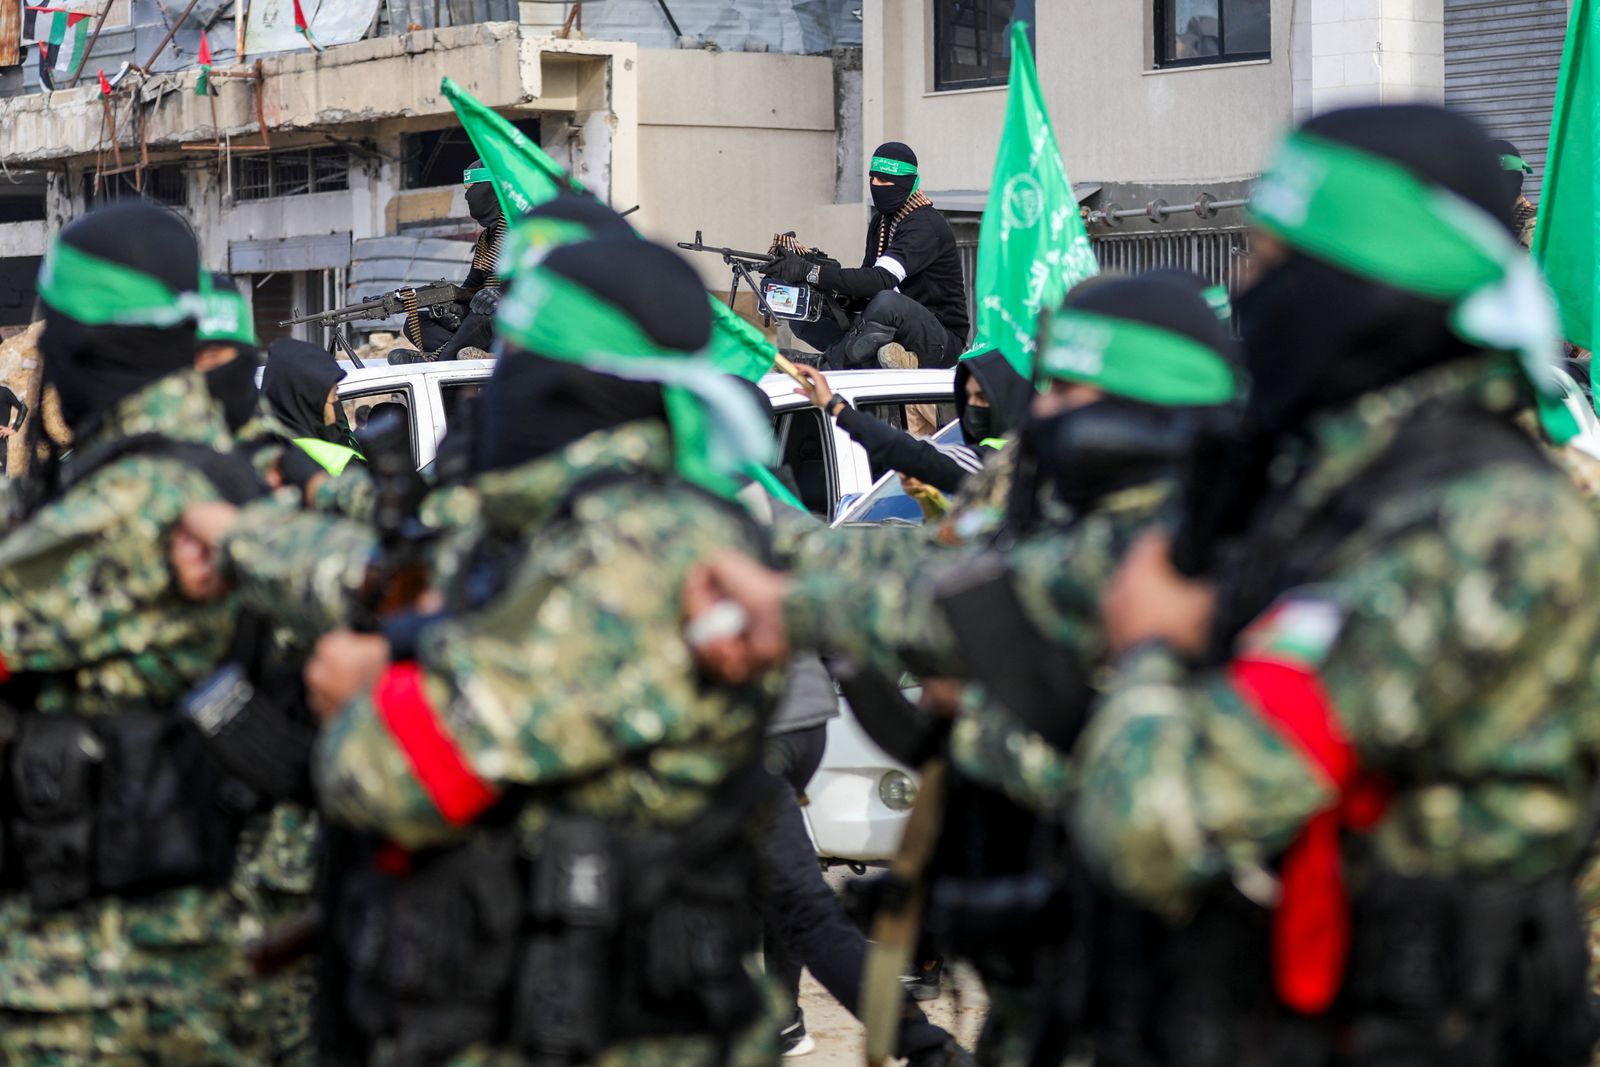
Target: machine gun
[
  {"x": 397, "y": 302},
  {"x": 776, "y": 299}
]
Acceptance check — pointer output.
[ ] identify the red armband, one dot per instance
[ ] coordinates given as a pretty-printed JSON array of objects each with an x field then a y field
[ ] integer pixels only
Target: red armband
[
  {"x": 1311, "y": 924},
  {"x": 441, "y": 769}
]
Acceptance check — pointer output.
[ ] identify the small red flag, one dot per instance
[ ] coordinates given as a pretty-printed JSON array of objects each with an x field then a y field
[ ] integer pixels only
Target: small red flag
[
  {"x": 300, "y": 23},
  {"x": 105, "y": 86},
  {"x": 205, "y": 51}
]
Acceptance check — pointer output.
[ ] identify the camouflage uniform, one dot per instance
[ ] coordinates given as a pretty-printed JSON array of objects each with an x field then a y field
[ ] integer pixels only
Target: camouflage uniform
[
  {"x": 1468, "y": 642},
  {"x": 86, "y": 596},
  {"x": 574, "y": 679}
]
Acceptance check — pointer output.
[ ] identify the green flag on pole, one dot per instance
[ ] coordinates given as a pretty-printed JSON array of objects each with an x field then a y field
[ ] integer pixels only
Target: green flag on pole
[
  {"x": 1032, "y": 246},
  {"x": 1569, "y": 210},
  {"x": 525, "y": 177}
]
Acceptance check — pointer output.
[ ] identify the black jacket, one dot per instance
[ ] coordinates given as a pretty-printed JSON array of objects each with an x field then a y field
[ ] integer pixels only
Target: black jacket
[
  {"x": 920, "y": 259},
  {"x": 1008, "y": 392}
]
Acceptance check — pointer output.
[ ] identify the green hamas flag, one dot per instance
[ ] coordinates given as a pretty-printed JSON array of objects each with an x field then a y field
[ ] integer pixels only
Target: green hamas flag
[
  {"x": 1569, "y": 210},
  {"x": 1032, "y": 246},
  {"x": 525, "y": 177}
]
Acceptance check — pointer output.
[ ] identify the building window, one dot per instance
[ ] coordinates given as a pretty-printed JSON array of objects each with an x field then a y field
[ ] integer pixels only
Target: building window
[
  {"x": 972, "y": 41},
  {"x": 1193, "y": 32},
  {"x": 434, "y": 158},
  {"x": 165, "y": 184},
  {"x": 290, "y": 173}
]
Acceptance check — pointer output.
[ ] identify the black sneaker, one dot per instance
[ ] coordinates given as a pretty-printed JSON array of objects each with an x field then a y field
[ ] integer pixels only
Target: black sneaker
[
  {"x": 793, "y": 1039},
  {"x": 923, "y": 983}
]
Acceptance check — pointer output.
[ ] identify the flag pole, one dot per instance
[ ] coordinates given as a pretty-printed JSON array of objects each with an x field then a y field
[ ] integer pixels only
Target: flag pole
[
  {"x": 94, "y": 35},
  {"x": 173, "y": 32}
]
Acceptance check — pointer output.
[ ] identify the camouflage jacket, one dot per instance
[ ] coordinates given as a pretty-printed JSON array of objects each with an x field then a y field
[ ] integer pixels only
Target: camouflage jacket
[
  {"x": 86, "y": 592},
  {"x": 1457, "y": 656},
  {"x": 86, "y": 595},
  {"x": 1058, "y": 578},
  {"x": 573, "y": 681}
]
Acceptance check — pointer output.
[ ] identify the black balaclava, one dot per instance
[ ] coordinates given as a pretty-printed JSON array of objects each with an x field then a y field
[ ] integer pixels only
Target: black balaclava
[
  {"x": 535, "y": 406},
  {"x": 94, "y": 367},
  {"x": 233, "y": 384},
  {"x": 888, "y": 198},
  {"x": 296, "y": 384},
  {"x": 482, "y": 201},
  {"x": 1513, "y": 177},
  {"x": 1116, "y": 442},
  {"x": 1009, "y": 395},
  {"x": 1316, "y": 337}
]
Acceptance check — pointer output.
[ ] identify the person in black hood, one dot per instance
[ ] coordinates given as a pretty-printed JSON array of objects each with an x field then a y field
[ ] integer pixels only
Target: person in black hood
[
  {"x": 991, "y": 399},
  {"x": 1516, "y": 171},
  {"x": 441, "y": 332},
  {"x": 301, "y": 388},
  {"x": 910, "y": 281}
]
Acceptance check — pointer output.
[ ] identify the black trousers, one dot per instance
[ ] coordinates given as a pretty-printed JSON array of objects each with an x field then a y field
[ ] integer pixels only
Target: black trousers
[
  {"x": 805, "y": 923},
  {"x": 893, "y": 316}
]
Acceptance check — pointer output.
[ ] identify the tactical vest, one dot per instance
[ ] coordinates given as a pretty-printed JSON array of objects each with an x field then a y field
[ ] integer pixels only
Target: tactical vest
[
  {"x": 1475, "y": 971},
  {"x": 559, "y": 942},
  {"x": 126, "y": 803}
]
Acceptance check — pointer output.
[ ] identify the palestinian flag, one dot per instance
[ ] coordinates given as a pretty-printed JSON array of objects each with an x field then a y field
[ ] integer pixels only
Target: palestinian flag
[
  {"x": 303, "y": 27},
  {"x": 61, "y": 36},
  {"x": 203, "y": 86}
]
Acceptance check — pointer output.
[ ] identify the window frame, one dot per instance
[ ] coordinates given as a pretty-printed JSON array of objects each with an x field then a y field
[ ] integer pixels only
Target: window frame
[
  {"x": 993, "y": 81},
  {"x": 273, "y": 161},
  {"x": 1162, "y": 10}
]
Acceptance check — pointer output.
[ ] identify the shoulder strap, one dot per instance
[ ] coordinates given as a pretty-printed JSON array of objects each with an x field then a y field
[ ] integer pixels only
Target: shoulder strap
[{"x": 231, "y": 475}]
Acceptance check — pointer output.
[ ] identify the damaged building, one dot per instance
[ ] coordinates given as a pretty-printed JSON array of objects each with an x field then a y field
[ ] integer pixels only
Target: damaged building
[{"x": 325, "y": 166}]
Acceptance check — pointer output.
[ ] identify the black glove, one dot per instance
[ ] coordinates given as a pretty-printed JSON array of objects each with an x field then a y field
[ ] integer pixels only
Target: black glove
[
  {"x": 484, "y": 302},
  {"x": 791, "y": 268}
]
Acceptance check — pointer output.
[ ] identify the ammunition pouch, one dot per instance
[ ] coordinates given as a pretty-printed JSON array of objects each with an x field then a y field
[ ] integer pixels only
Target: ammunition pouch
[
  {"x": 122, "y": 805},
  {"x": 254, "y": 737},
  {"x": 590, "y": 935},
  {"x": 1478, "y": 973},
  {"x": 430, "y": 951}
]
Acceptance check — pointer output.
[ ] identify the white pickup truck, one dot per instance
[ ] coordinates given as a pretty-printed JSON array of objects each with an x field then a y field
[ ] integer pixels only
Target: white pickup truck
[{"x": 859, "y": 798}]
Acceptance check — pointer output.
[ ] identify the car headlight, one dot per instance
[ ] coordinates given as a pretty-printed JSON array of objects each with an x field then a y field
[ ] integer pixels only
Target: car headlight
[{"x": 897, "y": 791}]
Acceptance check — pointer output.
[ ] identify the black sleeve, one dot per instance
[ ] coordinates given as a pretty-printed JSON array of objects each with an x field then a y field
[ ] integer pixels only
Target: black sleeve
[
  {"x": 913, "y": 248},
  {"x": 892, "y": 449},
  {"x": 863, "y": 282},
  {"x": 12, "y": 410}
]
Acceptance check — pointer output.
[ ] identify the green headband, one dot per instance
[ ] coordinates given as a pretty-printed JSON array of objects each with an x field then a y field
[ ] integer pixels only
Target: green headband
[
  {"x": 1515, "y": 163},
  {"x": 226, "y": 317},
  {"x": 98, "y": 292},
  {"x": 530, "y": 240},
  {"x": 717, "y": 431},
  {"x": 1135, "y": 360},
  {"x": 1377, "y": 220},
  {"x": 896, "y": 167},
  {"x": 475, "y": 175},
  {"x": 1216, "y": 298}
]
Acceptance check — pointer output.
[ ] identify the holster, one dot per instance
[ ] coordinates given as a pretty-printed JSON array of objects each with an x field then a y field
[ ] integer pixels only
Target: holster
[{"x": 1039, "y": 682}]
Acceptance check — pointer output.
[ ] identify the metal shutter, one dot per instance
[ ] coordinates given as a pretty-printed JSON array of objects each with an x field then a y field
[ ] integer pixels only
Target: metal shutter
[{"x": 1501, "y": 58}]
